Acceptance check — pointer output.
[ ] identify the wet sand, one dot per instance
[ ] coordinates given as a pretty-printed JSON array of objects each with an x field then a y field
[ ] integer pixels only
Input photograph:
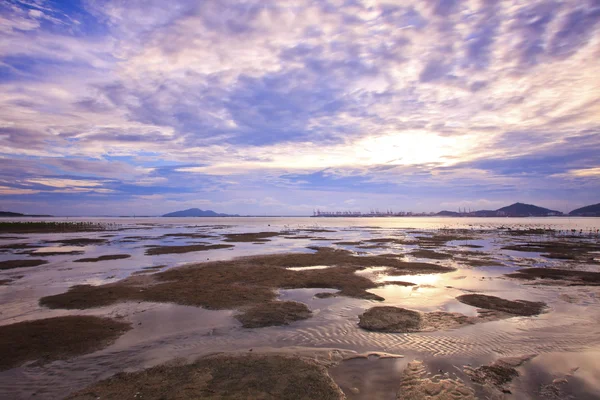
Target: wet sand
[{"x": 480, "y": 307}]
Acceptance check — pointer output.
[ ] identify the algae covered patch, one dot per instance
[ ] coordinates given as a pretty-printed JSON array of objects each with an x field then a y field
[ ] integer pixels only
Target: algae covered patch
[
  {"x": 104, "y": 258},
  {"x": 158, "y": 250},
  {"x": 249, "y": 376},
  {"x": 434, "y": 255},
  {"x": 479, "y": 262},
  {"x": 517, "y": 307},
  {"x": 402, "y": 320},
  {"x": 250, "y": 237},
  {"x": 559, "y": 249},
  {"x": 57, "y": 338},
  {"x": 273, "y": 313},
  {"x": 188, "y": 235},
  {"x": 390, "y": 319},
  {"x": 10, "y": 264},
  {"x": 79, "y": 241},
  {"x": 54, "y": 227},
  {"x": 440, "y": 239},
  {"x": 242, "y": 282},
  {"x": 558, "y": 276},
  {"x": 499, "y": 373}
]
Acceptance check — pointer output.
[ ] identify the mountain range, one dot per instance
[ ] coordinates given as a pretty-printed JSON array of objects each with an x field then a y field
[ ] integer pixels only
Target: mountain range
[{"x": 514, "y": 210}]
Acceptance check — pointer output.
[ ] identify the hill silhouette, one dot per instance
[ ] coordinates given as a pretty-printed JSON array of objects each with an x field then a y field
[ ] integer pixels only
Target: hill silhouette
[
  {"x": 587, "y": 211},
  {"x": 526, "y": 210},
  {"x": 196, "y": 212}
]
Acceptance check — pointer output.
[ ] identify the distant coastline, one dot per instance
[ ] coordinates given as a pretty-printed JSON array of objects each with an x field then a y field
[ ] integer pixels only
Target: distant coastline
[{"x": 516, "y": 210}]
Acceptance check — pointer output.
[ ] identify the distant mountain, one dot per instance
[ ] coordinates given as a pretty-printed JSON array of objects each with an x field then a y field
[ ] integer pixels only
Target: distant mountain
[
  {"x": 446, "y": 213},
  {"x": 587, "y": 211},
  {"x": 9, "y": 214},
  {"x": 196, "y": 212},
  {"x": 525, "y": 210}
]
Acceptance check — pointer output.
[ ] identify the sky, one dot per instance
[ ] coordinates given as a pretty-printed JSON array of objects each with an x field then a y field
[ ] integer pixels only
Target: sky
[{"x": 120, "y": 107}]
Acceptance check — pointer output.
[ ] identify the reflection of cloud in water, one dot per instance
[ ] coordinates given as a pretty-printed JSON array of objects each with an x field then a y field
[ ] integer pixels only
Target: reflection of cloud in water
[
  {"x": 562, "y": 375},
  {"x": 58, "y": 249},
  {"x": 429, "y": 279}
]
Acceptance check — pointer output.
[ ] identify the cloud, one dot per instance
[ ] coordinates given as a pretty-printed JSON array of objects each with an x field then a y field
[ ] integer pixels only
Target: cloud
[{"x": 584, "y": 172}]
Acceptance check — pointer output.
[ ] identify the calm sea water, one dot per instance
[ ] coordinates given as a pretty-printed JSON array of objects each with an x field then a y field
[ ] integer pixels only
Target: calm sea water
[{"x": 562, "y": 223}]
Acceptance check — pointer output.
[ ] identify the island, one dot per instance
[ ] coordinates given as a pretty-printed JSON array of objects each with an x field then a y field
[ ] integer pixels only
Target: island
[
  {"x": 587, "y": 211},
  {"x": 9, "y": 214},
  {"x": 196, "y": 212}
]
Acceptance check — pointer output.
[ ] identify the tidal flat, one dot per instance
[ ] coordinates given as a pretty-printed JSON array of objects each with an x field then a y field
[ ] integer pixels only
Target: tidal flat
[{"x": 257, "y": 308}]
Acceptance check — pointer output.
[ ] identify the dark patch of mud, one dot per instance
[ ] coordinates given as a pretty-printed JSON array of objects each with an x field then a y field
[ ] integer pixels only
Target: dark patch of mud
[
  {"x": 221, "y": 377},
  {"x": 242, "y": 282},
  {"x": 413, "y": 268},
  {"x": 251, "y": 237},
  {"x": 18, "y": 246},
  {"x": 434, "y": 255},
  {"x": 561, "y": 250},
  {"x": 326, "y": 295},
  {"x": 157, "y": 250},
  {"x": 57, "y": 338},
  {"x": 557, "y": 276},
  {"x": 390, "y": 319},
  {"x": 400, "y": 241},
  {"x": 517, "y": 307},
  {"x": 348, "y": 243},
  {"x": 52, "y": 253},
  {"x": 317, "y": 230},
  {"x": 479, "y": 262},
  {"x": 300, "y": 237},
  {"x": 10, "y": 264},
  {"x": 136, "y": 238},
  {"x": 79, "y": 241},
  {"x": 440, "y": 239},
  {"x": 372, "y": 246},
  {"x": 5, "y": 281},
  {"x": 399, "y": 283},
  {"x": 54, "y": 227},
  {"x": 499, "y": 374},
  {"x": 468, "y": 253},
  {"x": 104, "y": 258},
  {"x": 87, "y": 296},
  {"x": 529, "y": 231},
  {"x": 391, "y": 255},
  {"x": 402, "y": 320},
  {"x": 273, "y": 313},
  {"x": 189, "y": 235},
  {"x": 417, "y": 384}
]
